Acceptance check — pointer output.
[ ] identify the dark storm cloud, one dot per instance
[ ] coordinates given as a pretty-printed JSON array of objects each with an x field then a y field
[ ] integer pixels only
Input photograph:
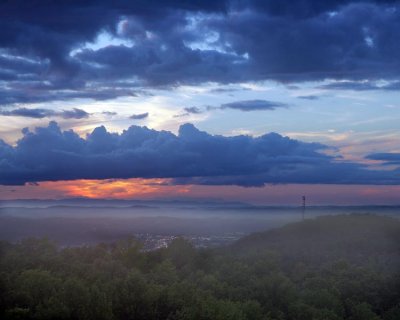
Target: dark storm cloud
[
  {"x": 389, "y": 158},
  {"x": 361, "y": 86},
  {"x": 192, "y": 156},
  {"x": 253, "y": 105},
  {"x": 300, "y": 9},
  {"x": 28, "y": 113},
  {"x": 169, "y": 43},
  {"x": 139, "y": 116},
  {"x": 38, "y": 113},
  {"x": 30, "y": 94}
]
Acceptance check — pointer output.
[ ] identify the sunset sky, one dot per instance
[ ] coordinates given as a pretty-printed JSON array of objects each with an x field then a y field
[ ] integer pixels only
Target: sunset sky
[{"x": 259, "y": 101}]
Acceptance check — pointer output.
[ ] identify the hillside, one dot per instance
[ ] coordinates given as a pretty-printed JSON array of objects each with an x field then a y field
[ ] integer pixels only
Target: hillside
[{"x": 365, "y": 240}]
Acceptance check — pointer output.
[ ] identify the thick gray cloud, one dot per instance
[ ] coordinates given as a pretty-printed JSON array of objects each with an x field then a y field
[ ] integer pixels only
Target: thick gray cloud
[
  {"x": 39, "y": 113},
  {"x": 192, "y": 156},
  {"x": 168, "y": 43},
  {"x": 253, "y": 105}
]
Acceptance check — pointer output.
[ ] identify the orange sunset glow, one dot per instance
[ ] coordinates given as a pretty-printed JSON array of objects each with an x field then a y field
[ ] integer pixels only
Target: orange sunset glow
[
  {"x": 114, "y": 188},
  {"x": 164, "y": 188}
]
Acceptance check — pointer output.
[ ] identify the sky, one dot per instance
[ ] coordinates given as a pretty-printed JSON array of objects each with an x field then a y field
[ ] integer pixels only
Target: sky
[{"x": 260, "y": 101}]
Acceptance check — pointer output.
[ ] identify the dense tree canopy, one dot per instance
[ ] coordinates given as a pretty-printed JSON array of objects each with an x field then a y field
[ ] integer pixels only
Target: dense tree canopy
[{"x": 331, "y": 268}]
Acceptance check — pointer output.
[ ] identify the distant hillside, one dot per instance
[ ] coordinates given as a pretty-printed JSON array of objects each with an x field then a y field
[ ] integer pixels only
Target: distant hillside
[{"x": 360, "y": 239}]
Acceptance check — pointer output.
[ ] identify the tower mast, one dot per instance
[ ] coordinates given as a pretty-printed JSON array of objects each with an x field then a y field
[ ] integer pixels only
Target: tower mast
[{"x": 303, "y": 207}]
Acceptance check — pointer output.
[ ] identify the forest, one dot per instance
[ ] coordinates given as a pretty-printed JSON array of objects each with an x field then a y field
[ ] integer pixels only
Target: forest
[{"x": 327, "y": 268}]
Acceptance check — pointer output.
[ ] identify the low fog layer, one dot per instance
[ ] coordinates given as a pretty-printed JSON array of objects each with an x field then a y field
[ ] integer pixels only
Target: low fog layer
[{"x": 82, "y": 221}]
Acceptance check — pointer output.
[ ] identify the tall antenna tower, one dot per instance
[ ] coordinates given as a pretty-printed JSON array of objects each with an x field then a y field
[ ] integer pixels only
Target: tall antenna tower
[{"x": 303, "y": 206}]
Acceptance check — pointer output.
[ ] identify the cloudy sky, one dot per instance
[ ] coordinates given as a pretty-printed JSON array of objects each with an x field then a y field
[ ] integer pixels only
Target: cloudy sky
[{"x": 253, "y": 100}]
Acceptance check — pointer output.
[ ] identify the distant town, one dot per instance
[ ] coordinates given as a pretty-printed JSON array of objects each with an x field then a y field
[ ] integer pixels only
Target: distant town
[{"x": 156, "y": 241}]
